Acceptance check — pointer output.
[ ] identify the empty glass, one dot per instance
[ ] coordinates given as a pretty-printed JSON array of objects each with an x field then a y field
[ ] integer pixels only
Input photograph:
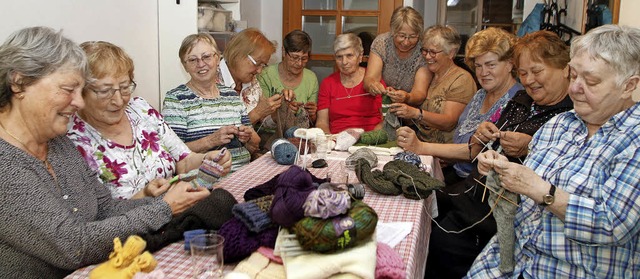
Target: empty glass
[{"x": 206, "y": 256}]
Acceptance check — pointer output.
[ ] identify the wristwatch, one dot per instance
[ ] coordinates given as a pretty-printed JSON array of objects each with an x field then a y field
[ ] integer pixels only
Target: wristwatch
[
  {"x": 548, "y": 199},
  {"x": 419, "y": 118}
]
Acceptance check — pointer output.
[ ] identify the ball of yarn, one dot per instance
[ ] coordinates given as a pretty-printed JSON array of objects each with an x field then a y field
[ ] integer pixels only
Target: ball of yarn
[
  {"x": 289, "y": 132},
  {"x": 362, "y": 153},
  {"x": 337, "y": 233},
  {"x": 293, "y": 187},
  {"x": 408, "y": 157},
  {"x": 284, "y": 152},
  {"x": 374, "y": 137},
  {"x": 389, "y": 264},
  {"x": 325, "y": 203}
]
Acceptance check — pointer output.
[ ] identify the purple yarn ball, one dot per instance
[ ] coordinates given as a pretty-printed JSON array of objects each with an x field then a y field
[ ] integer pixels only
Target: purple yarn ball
[{"x": 293, "y": 187}]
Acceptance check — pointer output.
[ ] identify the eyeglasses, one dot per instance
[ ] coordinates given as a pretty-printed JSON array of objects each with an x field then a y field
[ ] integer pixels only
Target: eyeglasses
[
  {"x": 303, "y": 59},
  {"x": 253, "y": 61},
  {"x": 109, "y": 92},
  {"x": 206, "y": 58},
  {"x": 403, "y": 37},
  {"x": 431, "y": 52}
]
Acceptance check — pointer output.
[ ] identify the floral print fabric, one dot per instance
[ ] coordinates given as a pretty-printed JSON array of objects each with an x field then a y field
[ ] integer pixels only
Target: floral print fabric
[{"x": 126, "y": 170}]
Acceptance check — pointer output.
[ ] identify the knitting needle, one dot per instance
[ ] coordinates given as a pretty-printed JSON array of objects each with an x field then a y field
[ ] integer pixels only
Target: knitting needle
[
  {"x": 489, "y": 143},
  {"x": 493, "y": 191},
  {"x": 352, "y": 96}
]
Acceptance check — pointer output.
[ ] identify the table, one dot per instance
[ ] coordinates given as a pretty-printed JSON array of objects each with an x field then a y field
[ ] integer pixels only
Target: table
[{"x": 175, "y": 262}]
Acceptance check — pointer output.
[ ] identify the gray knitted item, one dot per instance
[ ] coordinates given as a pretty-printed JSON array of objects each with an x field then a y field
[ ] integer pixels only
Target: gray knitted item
[
  {"x": 504, "y": 212},
  {"x": 391, "y": 122},
  {"x": 364, "y": 153},
  {"x": 375, "y": 179},
  {"x": 415, "y": 184}
]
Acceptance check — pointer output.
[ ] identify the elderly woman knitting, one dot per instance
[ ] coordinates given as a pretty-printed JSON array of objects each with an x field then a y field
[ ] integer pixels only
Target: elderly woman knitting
[
  {"x": 541, "y": 61},
  {"x": 579, "y": 211},
  {"x": 56, "y": 215},
  {"x": 124, "y": 139},
  {"x": 450, "y": 90}
]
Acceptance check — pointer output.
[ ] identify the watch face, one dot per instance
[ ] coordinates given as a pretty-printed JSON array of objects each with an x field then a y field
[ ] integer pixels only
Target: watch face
[{"x": 548, "y": 199}]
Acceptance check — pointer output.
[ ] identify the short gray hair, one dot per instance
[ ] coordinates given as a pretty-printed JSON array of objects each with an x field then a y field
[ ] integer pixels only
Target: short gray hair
[
  {"x": 618, "y": 46},
  {"x": 34, "y": 53},
  {"x": 446, "y": 37},
  {"x": 346, "y": 41}
]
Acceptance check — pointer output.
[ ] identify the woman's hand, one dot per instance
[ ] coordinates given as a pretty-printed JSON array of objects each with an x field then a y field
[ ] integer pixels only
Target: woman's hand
[
  {"x": 404, "y": 111},
  {"x": 377, "y": 88},
  {"x": 182, "y": 196},
  {"x": 223, "y": 160},
  {"x": 244, "y": 133},
  {"x": 486, "y": 132},
  {"x": 408, "y": 140},
  {"x": 397, "y": 96},
  {"x": 156, "y": 187},
  {"x": 514, "y": 144},
  {"x": 267, "y": 106},
  {"x": 515, "y": 177},
  {"x": 223, "y": 135},
  {"x": 312, "y": 110}
]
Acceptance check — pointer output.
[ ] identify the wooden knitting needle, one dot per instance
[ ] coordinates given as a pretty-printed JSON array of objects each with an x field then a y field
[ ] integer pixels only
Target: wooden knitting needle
[{"x": 499, "y": 194}]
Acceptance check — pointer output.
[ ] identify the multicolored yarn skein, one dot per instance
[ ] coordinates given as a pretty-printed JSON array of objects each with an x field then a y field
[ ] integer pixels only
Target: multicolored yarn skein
[
  {"x": 284, "y": 152},
  {"x": 338, "y": 233}
]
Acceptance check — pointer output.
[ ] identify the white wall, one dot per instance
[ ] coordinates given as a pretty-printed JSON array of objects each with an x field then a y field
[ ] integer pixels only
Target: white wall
[
  {"x": 133, "y": 25},
  {"x": 629, "y": 13},
  {"x": 266, "y": 16}
]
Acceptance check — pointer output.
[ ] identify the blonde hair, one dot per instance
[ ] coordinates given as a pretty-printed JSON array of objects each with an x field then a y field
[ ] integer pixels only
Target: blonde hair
[
  {"x": 190, "y": 41},
  {"x": 106, "y": 59},
  {"x": 246, "y": 43},
  {"x": 408, "y": 16},
  {"x": 492, "y": 39}
]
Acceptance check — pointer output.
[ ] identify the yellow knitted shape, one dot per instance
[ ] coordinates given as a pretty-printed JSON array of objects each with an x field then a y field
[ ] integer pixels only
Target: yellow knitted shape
[{"x": 120, "y": 258}]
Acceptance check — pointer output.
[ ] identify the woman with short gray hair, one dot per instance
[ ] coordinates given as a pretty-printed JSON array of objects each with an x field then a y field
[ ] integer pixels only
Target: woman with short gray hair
[
  {"x": 56, "y": 215},
  {"x": 342, "y": 100}
]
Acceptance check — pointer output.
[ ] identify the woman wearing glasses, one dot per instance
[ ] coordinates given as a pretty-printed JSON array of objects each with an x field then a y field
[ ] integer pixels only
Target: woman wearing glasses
[
  {"x": 449, "y": 91},
  {"x": 206, "y": 115},
  {"x": 124, "y": 139},
  {"x": 245, "y": 56},
  {"x": 291, "y": 78},
  {"x": 56, "y": 215}
]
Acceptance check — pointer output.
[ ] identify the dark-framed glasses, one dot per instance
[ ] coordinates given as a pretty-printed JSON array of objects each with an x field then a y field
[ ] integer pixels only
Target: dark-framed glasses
[
  {"x": 431, "y": 52},
  {"x": 255, "y": 63},
  {"x": 194, "y": 60},
  {"x": 107, "y": 93},
  {"x": 296, "y": 58}
]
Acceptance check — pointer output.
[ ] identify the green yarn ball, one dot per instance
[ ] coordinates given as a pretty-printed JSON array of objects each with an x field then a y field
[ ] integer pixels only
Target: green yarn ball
[
  {"x": 374, "y": 137},
  {"x": 337, "y": 233}
]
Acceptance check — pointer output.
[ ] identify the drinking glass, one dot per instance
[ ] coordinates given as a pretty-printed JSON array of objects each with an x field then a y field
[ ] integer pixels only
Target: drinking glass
[{"x": 206, "y": 256}]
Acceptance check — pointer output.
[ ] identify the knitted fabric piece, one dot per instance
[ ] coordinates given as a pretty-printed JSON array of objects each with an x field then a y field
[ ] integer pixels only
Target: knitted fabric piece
[
  {"x": 504, "y": 212},
  {"x": 326, "y": 203},
  {"x": 293, "y": 187},
  {"x": 208, "y": 214},
  {"x": 364, "y": 153},
  {"x": 240, "y": 242},
  {"x": 347, "y": 138},
  {"x": 337, "y": 233},
  {"x": 254, "y": 213},
  {"x": 374, "y": 137},
  {"x": 209, "y": 172},
  {"x": 415, "y": 184},
  {"x": 355, "y": 262},
  {"x": 389, "y": 264},
  {"x": 188, "y": 235},
  {"x": 252, "y": 265},
  {"x": 375, "y": 179},
  {"x": 390, "y": 124},
  {"x": 272, "y": 271}
]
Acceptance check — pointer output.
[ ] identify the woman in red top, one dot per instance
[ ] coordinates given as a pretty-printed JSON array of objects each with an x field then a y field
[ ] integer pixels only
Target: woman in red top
[{"x": 342, "y": 100}]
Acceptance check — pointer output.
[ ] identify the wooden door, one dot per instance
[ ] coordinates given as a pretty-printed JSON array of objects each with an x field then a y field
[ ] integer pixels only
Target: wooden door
[{"x": 325, "y": 19}]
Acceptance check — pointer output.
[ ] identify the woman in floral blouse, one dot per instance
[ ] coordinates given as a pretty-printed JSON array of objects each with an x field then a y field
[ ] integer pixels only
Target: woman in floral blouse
[{"x": 125, "y": 139}]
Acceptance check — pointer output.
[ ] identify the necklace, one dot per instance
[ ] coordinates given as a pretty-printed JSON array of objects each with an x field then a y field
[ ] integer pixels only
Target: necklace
[
  {"x": 201, "y": 92},
  {"x": 45, "y": 161},
  {"x": 437, "y": 80}
]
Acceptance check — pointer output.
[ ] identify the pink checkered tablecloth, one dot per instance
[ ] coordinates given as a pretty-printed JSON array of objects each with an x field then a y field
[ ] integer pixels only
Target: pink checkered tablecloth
[{"x": 175, "y": 262}]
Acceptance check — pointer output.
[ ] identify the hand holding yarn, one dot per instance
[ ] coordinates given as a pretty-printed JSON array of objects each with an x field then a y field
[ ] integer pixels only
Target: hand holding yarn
[
  {"x": 407, "y": 139},
  {"x": 223, "y": 136},
  {"x": 244, "y": 133},
  {"x": 181, "y": 196},
  {"x": 156, "y": 187}
]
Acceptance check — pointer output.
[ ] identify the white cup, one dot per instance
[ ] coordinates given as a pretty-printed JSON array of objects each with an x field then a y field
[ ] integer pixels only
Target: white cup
[{"x": 206, "y": 256}]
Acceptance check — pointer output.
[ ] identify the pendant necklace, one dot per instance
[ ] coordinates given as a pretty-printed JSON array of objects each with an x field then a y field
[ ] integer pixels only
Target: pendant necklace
[{"x": 46, "y": 163}]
